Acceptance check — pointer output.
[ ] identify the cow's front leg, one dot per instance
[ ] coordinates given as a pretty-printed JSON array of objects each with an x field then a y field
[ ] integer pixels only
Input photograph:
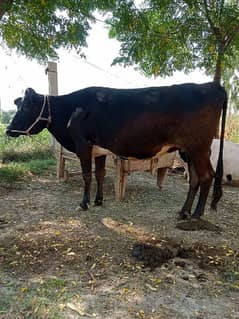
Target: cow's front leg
[
  {"x": 85, "y": 155},
  {"x": 99, "y": 175}
]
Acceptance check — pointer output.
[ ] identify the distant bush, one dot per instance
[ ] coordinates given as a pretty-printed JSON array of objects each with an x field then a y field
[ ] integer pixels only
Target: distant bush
[
  {"x": 232, "y": 128},
  {"x": 6, "y": 116}
]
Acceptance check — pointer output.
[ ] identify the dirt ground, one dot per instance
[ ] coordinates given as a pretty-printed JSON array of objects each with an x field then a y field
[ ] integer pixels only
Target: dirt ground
[{"x": 129, "y": 259}]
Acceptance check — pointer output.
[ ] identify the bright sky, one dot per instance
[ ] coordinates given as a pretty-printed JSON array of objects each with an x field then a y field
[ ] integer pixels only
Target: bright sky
[{"x": 18, "y": 73}]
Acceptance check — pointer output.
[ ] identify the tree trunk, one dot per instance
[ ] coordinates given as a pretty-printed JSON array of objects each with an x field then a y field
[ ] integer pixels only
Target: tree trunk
[{"x": 218, "y": 70}]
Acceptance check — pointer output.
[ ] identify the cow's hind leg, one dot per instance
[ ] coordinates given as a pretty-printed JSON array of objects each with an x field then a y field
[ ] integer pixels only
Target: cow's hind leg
[
  {"x": 193, "y": 188},
  {"x": 85, "y": 156},
  {"x": 205, "y": 174},
  {"x": 99, "y": 175}
]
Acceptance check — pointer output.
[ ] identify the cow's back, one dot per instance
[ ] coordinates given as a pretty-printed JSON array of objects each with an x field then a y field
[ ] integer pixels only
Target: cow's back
[{"x": 159, "y": 116}]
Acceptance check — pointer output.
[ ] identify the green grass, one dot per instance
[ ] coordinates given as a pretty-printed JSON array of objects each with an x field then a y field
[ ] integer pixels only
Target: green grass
[
  {"x": 23, "y": 156},
  {"x": 11, "y": 173},
  {"x": 230, "y": 276},
  {"x": 40, "y": 299},
  {"x": 24, "y": 148},
  {"x": 37, "y": 166}
]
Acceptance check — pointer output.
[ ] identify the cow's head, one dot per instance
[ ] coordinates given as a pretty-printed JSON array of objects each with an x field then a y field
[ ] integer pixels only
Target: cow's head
[{"x": 30, "y": 117}]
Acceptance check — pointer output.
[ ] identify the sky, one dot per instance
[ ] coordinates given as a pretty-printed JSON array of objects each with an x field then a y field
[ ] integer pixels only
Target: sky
[{"x": 17, "y": 73}]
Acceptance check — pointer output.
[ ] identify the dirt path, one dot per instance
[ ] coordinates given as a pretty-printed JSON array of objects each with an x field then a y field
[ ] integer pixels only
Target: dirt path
[{"x": 122, "y": 260}]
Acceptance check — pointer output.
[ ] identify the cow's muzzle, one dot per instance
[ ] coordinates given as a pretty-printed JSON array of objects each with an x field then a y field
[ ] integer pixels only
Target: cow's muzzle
[{"x": 11, "y": 133}]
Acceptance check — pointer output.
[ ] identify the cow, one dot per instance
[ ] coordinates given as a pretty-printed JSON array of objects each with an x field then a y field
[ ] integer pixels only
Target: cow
[
  {"x": 230, "y": 161},
  {"x": 136, "y": 123}
]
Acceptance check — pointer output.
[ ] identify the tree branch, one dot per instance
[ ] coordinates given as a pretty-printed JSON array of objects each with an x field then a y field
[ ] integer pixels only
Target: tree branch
[
  {"x": 230, "y": 38},
  {"x": 214, "y": 29},
  {"x": 5, "y": 5}
]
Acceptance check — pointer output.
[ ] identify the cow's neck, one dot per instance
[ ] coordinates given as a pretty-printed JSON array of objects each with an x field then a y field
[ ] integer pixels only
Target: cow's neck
[{"x": 61, "y": 111}]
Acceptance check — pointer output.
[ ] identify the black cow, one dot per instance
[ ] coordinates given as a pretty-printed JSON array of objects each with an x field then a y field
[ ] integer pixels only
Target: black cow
[{"x": 134, "y": 123}]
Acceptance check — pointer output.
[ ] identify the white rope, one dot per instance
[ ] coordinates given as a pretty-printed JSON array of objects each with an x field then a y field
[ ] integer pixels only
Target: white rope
[{"x": 39, "y": 118}]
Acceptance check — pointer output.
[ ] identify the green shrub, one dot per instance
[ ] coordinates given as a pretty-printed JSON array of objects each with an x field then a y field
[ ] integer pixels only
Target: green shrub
[
  {"x": 38, "y": 166},
  {"x": 11, "y": 173}
]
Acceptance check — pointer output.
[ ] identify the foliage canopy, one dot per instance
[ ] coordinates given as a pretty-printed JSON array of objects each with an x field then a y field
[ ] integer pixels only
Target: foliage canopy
[
  {"x": 162, "y": 36},
  {"x": 37, "y": 28},
  {"x": 157, "y": 36}
]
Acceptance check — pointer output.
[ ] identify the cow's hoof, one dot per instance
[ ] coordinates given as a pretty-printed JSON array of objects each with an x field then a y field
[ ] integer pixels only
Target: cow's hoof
[
  {"x": 98, "y": 202},
  {"x": 84, "y": 206},
  {"x": 195, "y": 216},
  {"x": 182, "y": 215}
]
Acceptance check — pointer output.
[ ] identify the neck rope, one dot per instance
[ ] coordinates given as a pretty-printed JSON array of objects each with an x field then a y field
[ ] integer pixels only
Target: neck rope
[{"x": 39, "y": 118}]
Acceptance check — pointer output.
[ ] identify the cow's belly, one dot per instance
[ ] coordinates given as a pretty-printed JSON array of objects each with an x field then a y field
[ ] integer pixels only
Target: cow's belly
[
  {"x": 99, "y": 151},
  {"x": 143, "y": 152}
]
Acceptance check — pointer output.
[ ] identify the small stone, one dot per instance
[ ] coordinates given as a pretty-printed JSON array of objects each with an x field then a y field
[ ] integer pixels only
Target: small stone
[
  {"x": 170, "y": 279},
  {"x": 201, "y": 277},
  {"x": 180, "y": 263},
  {"x": 185, "y": 277}
]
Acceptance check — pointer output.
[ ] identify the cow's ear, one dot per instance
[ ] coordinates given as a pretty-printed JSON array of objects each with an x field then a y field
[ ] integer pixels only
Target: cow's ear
[
  {"x": 18, "y": 102},
  {"x": 30, "y": 94}
]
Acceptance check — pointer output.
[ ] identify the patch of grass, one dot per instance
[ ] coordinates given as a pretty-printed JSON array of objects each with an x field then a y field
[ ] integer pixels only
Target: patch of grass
[
  {"x": 230, "y": 276},
  {"x": 11, "y": 173},
  {"x": 7, "y": 297},
  {"x": 38, "y": 166},
  {"x": 41, "y": 299},
  {"x": 230, "y": 279},
  {"x": 24, "y": 156},
  {"x": 23, "y": 148}
]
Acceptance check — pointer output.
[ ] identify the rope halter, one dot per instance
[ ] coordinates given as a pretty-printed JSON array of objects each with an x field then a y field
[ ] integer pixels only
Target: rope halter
[{"x": 39, "y": 118}]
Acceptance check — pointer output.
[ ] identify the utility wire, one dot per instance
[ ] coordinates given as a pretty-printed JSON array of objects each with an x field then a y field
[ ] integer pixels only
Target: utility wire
[{"x": 97, "y": 67}]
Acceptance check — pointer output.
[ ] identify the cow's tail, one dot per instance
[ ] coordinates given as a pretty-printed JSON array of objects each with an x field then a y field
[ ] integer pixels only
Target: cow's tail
[{"x": 217, "y": 188}]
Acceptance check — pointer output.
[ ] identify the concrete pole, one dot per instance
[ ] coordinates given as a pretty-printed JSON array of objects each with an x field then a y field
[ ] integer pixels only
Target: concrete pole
[{"x": 51, "y": 71}]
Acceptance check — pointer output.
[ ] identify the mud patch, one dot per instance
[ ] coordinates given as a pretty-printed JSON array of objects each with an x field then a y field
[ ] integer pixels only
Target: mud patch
[
  {"x": 151, "y": 256},
  {"x": 206, "y": 257},
  {"x": 154, "y": 251},
  {"x": 201, "y": 224}
]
